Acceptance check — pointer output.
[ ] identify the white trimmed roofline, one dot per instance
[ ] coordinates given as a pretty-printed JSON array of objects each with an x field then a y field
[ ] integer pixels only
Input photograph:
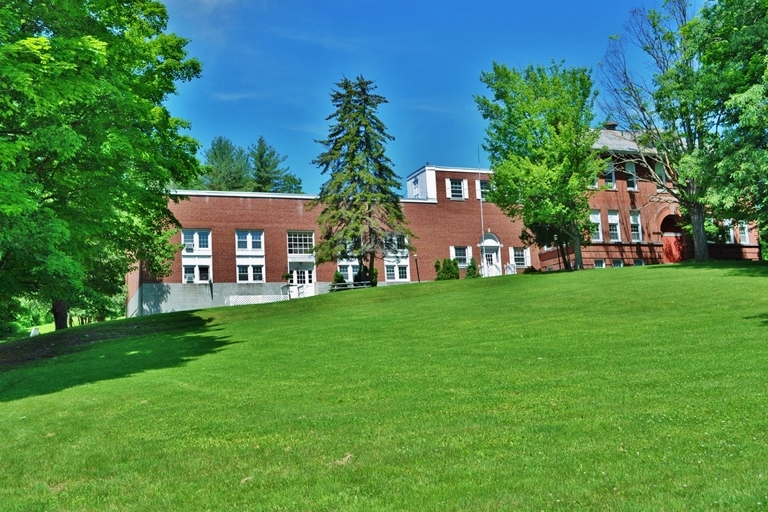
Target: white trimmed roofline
[
  {"x": 468, "y": 170},
  {"x": 240, "y": 193}
]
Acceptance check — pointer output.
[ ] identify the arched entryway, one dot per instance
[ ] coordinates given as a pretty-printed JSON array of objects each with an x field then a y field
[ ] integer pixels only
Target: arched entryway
[
  {"x": 673, "y": 239},
  {"x": 490, "y": 254}
]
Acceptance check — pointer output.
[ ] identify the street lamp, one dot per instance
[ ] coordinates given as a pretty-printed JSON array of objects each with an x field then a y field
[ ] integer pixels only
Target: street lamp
[
  {"x": 557, "y": 248},
  {"x": 416, "y": 259}
]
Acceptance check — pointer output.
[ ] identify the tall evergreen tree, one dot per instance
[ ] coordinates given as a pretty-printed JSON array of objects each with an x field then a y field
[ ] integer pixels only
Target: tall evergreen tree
[
  {"x": 226, "y": 166},
  {"x": 361, "y": 218},
  {"x": 266, "y": 173}
]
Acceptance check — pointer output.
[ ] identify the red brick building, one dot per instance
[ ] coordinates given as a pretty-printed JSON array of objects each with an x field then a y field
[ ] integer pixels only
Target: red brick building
[{"x": 247, "y": 247}]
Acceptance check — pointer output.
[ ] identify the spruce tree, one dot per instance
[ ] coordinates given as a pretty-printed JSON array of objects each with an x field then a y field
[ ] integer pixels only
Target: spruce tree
[{"x": 361, "y": 217}]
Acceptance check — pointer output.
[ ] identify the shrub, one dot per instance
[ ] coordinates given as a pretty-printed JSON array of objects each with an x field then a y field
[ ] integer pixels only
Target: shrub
[
  {"x": 472, "y": 270},
  {"x": 448, "y": 270}
]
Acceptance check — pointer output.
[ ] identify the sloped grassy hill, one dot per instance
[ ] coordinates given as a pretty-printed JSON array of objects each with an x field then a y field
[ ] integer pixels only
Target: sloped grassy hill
[{"x": 622, "y": 389}]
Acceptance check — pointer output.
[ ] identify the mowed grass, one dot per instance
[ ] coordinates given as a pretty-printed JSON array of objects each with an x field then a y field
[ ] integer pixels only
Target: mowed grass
[{"x": 622, "y": 389}]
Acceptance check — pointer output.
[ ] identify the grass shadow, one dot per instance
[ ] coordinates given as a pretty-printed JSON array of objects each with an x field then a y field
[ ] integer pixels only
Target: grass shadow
[{"x": 53, "y": 362}]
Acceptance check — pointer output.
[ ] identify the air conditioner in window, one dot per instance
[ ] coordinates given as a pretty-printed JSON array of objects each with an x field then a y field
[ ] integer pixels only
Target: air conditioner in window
[
  {"x": 190, "y": 279},
  {"x": 189, "y": 247}
]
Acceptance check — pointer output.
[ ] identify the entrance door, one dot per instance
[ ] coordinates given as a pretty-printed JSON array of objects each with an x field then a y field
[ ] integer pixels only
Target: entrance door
[
  {"x": 489, "y": 248},
  {"x": 303, "y": 279},
  {"x": 491, "y": 265}
]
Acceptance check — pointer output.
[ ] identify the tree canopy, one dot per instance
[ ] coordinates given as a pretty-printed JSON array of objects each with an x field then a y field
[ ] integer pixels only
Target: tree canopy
[
  {"x": 257, "y": 169},
  {"x": 87, "y": 149},
  {"x": 540, "y": 146},
  {"x": 686, "y": 115},
  {"x": 361, "y": 216}
]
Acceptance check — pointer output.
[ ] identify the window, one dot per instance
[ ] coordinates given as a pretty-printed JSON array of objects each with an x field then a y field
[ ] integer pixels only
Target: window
[
  {"x": 203, "y": 272},
  {"x": 415, "y": 187},
  {"x": 634, "y": 226},
  {"x": 462, "y": 255},
  {"x": 196, "y": 240},
  {"x": 249, "y": 240},
  {"x": 301, "y": 242},
  {"x": 189, "y": 273},
  {"x": 599, "y": 263},
  {"x": 481, "y": 188},
  {"x": 457, "y": 189},
  {"x": 250, "y": 273},
  {"x": 729, "y": 235},
  {"x": 396, "y": 272},
  {"x": 610, "y": 177},
  {"x": 631, "y": 172},
  {"x": 661, "y": 176},
  {"x": 743, "y": 233},
  {"x": 639, "y": 263},
  {"x": 613, "y": 226},
  {"x": 618, "y": 263},
  {"x": 519, "y": 257},
  {"x": 597, "y": 229},
  {"x": 197, "y": 273}
]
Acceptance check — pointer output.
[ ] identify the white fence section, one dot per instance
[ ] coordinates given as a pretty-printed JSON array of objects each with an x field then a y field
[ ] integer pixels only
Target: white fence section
[{"x": 244, "y": 300}]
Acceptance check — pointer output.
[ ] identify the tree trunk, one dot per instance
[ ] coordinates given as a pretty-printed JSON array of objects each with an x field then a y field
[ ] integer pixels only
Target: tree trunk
[
  {"x": 576, "y": 236},
  {"x": 564, "y": 255},
  {"x": 700, "y": 248},
  {"x": 60, "y": 310}
]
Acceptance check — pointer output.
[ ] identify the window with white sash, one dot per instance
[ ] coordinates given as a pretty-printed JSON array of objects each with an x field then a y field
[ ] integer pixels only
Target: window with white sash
[
  {"x": 462, "y": 255},
  {"x": 631, "y": 173},
  {"x": 597, "y": 225},
  {"x": 743, "y": 233},
  {"x": 614, "y": 232},
  {"x": 634, "y": 226},
  {"x": 456, "y": 189}
]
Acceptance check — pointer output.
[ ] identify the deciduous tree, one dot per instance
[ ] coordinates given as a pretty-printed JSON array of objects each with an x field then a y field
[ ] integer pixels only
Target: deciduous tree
[
  {"x": 361, "y": 217},
  {"x": 669, "y": 109},
  {"x": 540, "y": 146},
  {"x": 87, "y": 149},
  {"x": 730, "y": 36}
]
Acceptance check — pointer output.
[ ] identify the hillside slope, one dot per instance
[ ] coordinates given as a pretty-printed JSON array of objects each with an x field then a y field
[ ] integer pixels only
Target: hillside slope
[{"x": 633, "y": 388}]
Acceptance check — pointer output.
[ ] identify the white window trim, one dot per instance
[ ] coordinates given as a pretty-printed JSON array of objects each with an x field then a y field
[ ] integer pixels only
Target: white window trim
[
  {"x": 610, "y": 171},
  {"x": 596, "y": 214},
  {"x": 615, "y": 260},
  {"x": 469, "y": 254},
  {"x": 599, "y": 263},
  {"x": 464, "y": 189},
  {"x": 249, "y": 241},
  {"x": 195, "y": 246},
  {"x": 634, "y": 214},
  {"x": 744, "y": 233},
  {"x": 613, "y": 218},
  {"x": 526, "y": 256},
  {"x": 197, "y": 265},
  {"x": 631, "y": 170}
]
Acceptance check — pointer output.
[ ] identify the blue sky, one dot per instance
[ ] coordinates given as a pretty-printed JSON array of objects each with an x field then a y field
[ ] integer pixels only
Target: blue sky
[{"x": 269, "y": 67}]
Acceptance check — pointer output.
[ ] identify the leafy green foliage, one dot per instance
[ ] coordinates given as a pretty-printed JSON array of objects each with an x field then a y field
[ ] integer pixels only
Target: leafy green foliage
[
  {"x": 472, "y": 270},
  {"x": 730, "y": 36},
  {"x": 361, "y": 216},
  {"x": 539, "y": 143},
  {"x": 694, "y": 114},
  {"x": 87, "y": 149},
  {"x": 448, "y": 270}
]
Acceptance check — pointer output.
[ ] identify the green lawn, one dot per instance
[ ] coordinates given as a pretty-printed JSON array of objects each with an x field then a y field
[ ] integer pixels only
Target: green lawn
[{"x": 639, "y": 388}]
